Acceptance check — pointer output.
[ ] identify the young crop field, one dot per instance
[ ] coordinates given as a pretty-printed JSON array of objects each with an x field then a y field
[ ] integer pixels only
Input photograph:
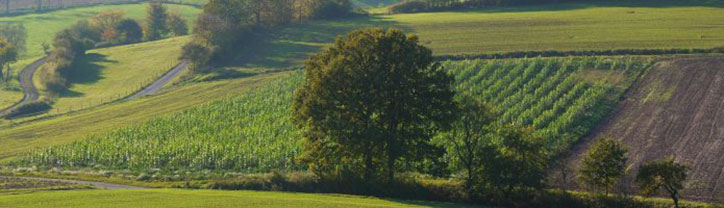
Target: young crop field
[
  {"x": 202, "y": 198},
  {"x": 561, "y": 98}
]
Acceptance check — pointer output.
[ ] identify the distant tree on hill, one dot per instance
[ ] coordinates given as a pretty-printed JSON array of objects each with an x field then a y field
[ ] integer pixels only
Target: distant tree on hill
[
  {"x": 8, "y": 55},
  {"x": 372, "y": 98},
  {"x": 177, "y": 25},
  {"x": 106, "y": 23},
  {"x": 469, "y": 138},
  {"x": 156, "y": 26},
  {"x": 130, "y": 31},
  {"x": 603, "y": 164},
  {"x": 665, "y": 174},
  {"x": 16, "y": 34}
]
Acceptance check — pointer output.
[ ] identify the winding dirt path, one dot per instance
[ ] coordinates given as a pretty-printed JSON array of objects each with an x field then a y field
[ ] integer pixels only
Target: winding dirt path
[
  {"x": 94, "y": 183},
  {"x": 26, "y": 82}
]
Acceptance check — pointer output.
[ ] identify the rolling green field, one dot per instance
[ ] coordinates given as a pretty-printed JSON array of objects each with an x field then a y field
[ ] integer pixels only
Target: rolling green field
[
  {"x": 561, "y": 98},
  {"x": 109, "y": 74},
  {"x": 200, "y": 198}
]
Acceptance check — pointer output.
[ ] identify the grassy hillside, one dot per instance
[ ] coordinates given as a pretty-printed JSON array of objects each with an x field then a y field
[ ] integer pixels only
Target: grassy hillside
[
  {"x": 200, "y": 198},
  {"x": 561, "y": 98},
  {"x": 109, "y": 74}
]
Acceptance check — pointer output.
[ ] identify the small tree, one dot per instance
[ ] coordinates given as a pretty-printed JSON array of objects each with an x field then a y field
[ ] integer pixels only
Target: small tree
[
  {"x": 16, "y": 34},
  {"x": 130, "y": 31},
  {"x": 156, "y": 26},
  {"x": 197, "y": 54},
  {"x": 8, "y": 55},
  {"x": 520, "y": 160},
  {"x": 603, "y": 164},
  {"x": 468, "y": 140},
  {"x": 665, "y": 174},
  {"x": 372, "y": 98},
  {"x": 177, "y": 25}
]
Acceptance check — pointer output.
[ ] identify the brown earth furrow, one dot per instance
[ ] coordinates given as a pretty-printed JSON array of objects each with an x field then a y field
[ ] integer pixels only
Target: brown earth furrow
[{"x": 676, "y": 109}]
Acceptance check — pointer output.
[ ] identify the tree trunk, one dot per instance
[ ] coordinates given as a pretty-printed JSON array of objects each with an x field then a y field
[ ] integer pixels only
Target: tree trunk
[
  {"x": 7, "y": 6},
  {"x": 676, "y": 200},
  {"x": 390, "y": 164},
  {"x": 368, "y": 163}
]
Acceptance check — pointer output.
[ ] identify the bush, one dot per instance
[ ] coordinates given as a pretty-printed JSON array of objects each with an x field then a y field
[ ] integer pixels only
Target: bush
[{"x": 29, "y": 108}]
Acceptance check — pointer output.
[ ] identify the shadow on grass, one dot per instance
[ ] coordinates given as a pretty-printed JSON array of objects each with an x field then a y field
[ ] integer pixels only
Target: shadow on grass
[
  {"x": 85, "y": 70},
  {"x": 432, "y": 204},
  {"x": 595, "y": 4},
  {"x": 289, "y": 46}
]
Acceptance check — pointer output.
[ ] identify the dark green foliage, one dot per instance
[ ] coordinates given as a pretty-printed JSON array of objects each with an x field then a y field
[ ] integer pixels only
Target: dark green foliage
[
  {"x": 129, "y": 31},
  {"x": 603, "y": 164},
  {"x": 156, "y": 27},
  {"x": 665, "y": 174},
  {"x": 519, "y": 162},
  {"x": 468, "y": 142},
  {"x": 177, "y": 25},
  {"x": 67, "y": 45},
  {"x": 371, "y": 99},
  {"x": 196, "y": 54}
]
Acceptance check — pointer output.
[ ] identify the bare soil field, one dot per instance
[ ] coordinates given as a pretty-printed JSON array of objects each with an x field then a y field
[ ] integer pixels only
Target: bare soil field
[{"x": 675, "y": 109}]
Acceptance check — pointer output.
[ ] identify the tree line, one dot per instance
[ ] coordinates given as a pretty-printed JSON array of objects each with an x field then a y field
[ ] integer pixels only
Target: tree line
[
  {"x": 376, "y": 103},
  {"x": 225, "y": 26},
  {"x": 105, "y": 29},
  {"x": 412, "y": 6}
]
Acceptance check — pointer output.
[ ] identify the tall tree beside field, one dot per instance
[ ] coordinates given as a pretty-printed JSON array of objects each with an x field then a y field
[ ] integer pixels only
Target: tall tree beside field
[
  {"x": 468, "y": 141},
  {"x": 16, "y": 34},
  {"x": 177, "y": 25},
  {"x": 665, "y": 174},
  {"x": 156, "y": 26},
  {"x": 372, "y": 98},
  {"x": 8, "y": 55},
  {"x": 603, "y": 164}
]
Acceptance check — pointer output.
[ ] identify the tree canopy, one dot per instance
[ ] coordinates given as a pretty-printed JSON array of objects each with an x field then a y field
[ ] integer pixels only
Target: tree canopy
[
  {"x": 603, "y": 164},
  {"x": 664, "y": 174},
  {"x": 372, "y": 98}
]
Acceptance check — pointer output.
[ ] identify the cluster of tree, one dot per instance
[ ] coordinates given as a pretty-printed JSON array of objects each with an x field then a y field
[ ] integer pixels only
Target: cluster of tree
[
  {"x": 605, "y": 164},
  {"x": 376, "y": 103},
  {"x": 226, "y": 24},
  {"x": 105, "y": 29},
  {"x": 12, "y": 44},
  {"x": 411, "y": 6}
]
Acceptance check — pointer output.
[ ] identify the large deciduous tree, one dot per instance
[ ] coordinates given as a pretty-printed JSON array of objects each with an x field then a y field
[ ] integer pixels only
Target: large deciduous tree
[
  {"x": 177, "y": 25},
  {"x": 129, "y": 31},
  {"x": 665, "y": 174},
  {"x": 372, "y": 98},
  {"x": 14, "y": 33},
  {"x": 519, "y": 160},
  {"x": 603, "y": 164}
]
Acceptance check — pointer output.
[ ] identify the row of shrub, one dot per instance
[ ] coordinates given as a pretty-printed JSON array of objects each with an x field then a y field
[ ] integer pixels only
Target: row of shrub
[
  {"x": 224, "y": 26},
  {"x": 612, "y": 52},
  {"x": 27, "y": 109}
]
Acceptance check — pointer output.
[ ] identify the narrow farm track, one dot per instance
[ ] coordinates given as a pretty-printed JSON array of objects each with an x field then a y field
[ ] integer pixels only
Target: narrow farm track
[
  {"x": 94, "y": 183},
  {"x": 26, "y": 82},
  {"x": 158, "y": 84}
]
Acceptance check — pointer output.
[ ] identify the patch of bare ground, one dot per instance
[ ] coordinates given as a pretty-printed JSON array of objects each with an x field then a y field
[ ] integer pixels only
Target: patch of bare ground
[{"x": 675, "y": 109}]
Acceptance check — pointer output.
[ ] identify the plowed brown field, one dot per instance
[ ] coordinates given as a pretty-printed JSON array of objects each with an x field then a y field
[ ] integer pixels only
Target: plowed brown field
[{"x": 676, "y": 109}]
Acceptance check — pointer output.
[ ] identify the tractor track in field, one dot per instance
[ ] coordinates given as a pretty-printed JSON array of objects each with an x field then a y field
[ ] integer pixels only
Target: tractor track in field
[{"x": 105, "y": 185}]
